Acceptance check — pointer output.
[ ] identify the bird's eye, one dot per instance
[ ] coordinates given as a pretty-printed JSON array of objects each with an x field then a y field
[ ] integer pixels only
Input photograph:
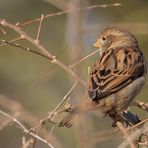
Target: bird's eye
[{"x": 103, "y": 38}]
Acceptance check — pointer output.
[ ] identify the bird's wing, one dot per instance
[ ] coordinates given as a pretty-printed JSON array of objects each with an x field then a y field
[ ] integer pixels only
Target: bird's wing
[{"x": 115, "y": 69}]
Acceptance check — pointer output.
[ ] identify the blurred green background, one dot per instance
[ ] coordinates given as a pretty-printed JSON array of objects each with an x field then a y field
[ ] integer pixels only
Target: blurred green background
[{"x": 38, "y": 86}]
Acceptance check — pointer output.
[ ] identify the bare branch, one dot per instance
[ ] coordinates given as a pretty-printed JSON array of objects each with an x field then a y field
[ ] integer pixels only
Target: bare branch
[
  {"x": 78, "y": 62},
  {"x": 139, "y": 124},
  {"x": 126, "y": 134},
  {"x": 19, "y": 111},
  {"x": 141, "y": 105},
  {"x": 39, "y": 29},
  {"x": 52, "y": 114},
  {"x": 25, "y": 130},
  {"x": 70, "y": 11},
  {"x": 13, "y": 40},
  {"x": 56, "y": 111},
  {"x": 139, "y": 131},
  {"x": 3, "y": 31},
  {"x": 26, "y": 143},
  {"x": 24, "y": 48},
  {"x": 45, "y": 52}
]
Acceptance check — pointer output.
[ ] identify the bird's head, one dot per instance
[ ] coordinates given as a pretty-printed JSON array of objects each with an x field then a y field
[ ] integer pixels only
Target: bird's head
[{"x": 114, "y": 37}]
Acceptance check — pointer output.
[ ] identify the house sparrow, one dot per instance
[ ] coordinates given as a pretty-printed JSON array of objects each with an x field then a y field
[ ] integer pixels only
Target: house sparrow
[{"x": 116, "y": 78}]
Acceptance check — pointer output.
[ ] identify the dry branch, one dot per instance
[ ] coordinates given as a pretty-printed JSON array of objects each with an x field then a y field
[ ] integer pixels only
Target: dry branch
[
  {"x": 25, "y": 130},
  {"x": 83, "y": 59},
  {"x": 56, "y": 111},
  {"x": 17, "y": 110},
  {"x": 126, "y": 134},
  {"x": 13, "y": 40},
  {"x": 140, "y": 131},
  {"x": 39, "y": 29},
  {"x": 26, "y": 143},
  {"x": 141, "y": 105},
  {"x": 70, "y": 11},
  {"x": 3, "y": 31},
  {"x": 53, "y": 113},
  {"x": 44, "y": 51}
]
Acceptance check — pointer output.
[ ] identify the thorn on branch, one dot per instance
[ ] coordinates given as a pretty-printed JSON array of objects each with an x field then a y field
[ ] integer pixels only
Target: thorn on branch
[
  {"x": 36, "y": 41},
  {"x": 17, "y": 24},
  {"x": 53, "y": 59}
]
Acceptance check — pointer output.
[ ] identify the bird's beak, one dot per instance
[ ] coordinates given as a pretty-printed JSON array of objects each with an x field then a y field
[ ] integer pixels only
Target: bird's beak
[{"x": 97, "y": 44}]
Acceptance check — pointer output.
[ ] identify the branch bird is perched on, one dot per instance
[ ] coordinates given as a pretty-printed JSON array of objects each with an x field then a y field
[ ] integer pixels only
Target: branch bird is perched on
[{"x": 116, "y": 78}]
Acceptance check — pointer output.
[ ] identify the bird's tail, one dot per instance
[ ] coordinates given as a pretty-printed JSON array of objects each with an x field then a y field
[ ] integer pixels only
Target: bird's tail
[{"x": 130, "y": 118}]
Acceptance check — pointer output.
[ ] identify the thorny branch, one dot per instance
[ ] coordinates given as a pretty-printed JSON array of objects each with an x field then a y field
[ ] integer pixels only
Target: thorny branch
[{"x": 44, "y": 51}]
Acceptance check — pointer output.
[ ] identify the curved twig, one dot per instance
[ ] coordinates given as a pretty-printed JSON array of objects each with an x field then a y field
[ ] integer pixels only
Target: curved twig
[{"x": 43, "y": 50}]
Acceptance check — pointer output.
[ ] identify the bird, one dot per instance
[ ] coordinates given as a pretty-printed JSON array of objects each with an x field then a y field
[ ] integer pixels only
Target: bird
[{"x": 116, "y": 78}]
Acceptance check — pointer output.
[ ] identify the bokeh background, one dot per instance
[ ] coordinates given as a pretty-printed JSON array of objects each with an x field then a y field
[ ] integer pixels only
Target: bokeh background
[{"x": 30, "y": 86}]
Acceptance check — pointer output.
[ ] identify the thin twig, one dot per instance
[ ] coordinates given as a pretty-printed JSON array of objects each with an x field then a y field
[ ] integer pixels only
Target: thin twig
[
  {"x": 24, "y": 48},
  {"x": 26, "y": 143},
  {"x": 141, "y": 105},
  {"x": 139, "y": 124},
  {"x": 143, "y": 143},
  {"x": 126, "y": 134},
  {"x": 11, "y": 41},
  {"x": 51, "y": 115},
  {"x": 25, "y": 130},
  {"x": 69, "y": 11},
  {"x": 78, "y": 62},
  {"x": 39, "y": 29},
  {"x": 45, "y": 52},
  {"x": 3, "y": 31},
  {"x": 133, "y": 136},
  {"x": 17, "y": 109}
]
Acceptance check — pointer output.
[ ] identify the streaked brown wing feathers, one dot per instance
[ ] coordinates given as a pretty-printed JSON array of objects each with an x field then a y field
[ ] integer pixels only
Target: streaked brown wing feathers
[{"x": 115, "y": 69}]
